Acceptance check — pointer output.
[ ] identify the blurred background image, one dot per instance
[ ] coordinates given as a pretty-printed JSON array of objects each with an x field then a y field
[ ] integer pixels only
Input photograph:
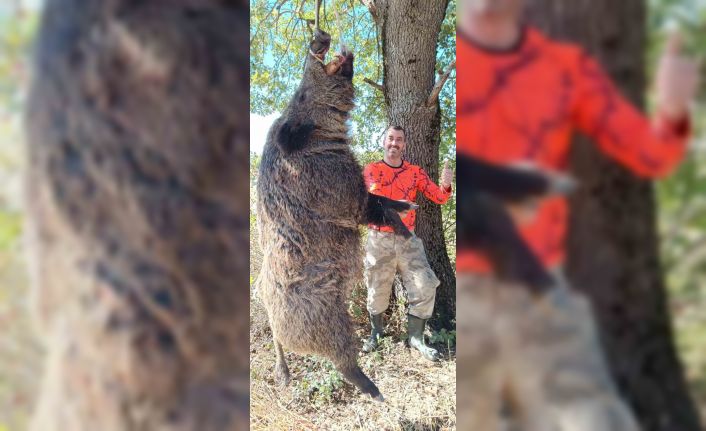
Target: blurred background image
[
  {"x": 20, "y": 353},
  {"x": 97, "y": 47},
  {"x": 632, "y": 247}
]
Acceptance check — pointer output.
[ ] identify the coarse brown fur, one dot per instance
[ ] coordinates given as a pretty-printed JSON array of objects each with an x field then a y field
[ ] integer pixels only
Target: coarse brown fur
[
  {"x": 138, "y": 214},
  {"x": 311, "y": 199}
]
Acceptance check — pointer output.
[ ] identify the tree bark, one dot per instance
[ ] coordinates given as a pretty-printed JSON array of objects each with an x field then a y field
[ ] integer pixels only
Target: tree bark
[
  {"x": 409, "y": 31},
  {"x": 613, "y": 245}
]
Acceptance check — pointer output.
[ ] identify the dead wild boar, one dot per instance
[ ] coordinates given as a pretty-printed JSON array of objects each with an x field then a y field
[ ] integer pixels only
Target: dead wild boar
[{"x": 311, "y": 200}]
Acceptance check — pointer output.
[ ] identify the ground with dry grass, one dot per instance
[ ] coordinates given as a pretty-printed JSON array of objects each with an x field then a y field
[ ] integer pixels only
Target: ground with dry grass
[{"x": 419, "y": 395}]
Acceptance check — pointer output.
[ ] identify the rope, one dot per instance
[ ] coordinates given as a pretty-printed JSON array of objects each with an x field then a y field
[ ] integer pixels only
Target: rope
[
  {"x": 316, "y": 57},
  {"x": 318, "y": 7},
  {"x": 316, "y": 27}
]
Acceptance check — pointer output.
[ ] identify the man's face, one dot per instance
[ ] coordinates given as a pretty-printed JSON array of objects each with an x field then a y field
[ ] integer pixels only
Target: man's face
[
  {"x": 509, "y": 8},
  {"x": 394, "y": 143}
]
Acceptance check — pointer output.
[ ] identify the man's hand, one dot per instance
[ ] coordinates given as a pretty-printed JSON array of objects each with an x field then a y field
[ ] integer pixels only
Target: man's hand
[
  {"x": 677, "y": 80},
  {"x": 447, "y": 176}
]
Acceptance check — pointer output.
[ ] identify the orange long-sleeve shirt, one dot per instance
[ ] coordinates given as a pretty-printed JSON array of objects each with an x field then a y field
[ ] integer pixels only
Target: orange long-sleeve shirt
[
  {"x": 524, "y": 104},
  {"x": 402, "y": 183}
]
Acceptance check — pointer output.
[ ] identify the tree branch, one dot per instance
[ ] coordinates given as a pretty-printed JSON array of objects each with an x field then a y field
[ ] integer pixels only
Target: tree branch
[
  {"x": 277, "y": 7},
  {"x": 434, "y": 95},
  {"x": 374, "y": 84},
  {"x": 370, "y": 4}
]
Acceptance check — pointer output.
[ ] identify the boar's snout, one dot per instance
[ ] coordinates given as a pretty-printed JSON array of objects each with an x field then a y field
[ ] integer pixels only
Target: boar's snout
[
  {"x": 320, "y": 45},
  {"x": 347, "y": 66}
]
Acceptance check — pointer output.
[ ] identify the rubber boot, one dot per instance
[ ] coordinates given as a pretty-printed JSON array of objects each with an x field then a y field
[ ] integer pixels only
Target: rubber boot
[
  {"x": 415, "y": 329},
  {"x": 375, "y": 334}
]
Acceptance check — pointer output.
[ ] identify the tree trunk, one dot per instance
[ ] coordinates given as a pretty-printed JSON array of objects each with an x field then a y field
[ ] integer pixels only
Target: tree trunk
[
  {"x": 137, "y": 213},
  {"x": 613, "y": 245},
  {"x": 409, "y": 31}
]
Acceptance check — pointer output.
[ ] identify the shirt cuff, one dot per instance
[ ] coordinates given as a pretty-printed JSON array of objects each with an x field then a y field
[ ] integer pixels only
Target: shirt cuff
[{"x": 679, "y": 128}]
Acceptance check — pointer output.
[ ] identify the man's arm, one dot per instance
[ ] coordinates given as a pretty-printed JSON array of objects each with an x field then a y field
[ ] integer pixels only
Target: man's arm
[
  {"x": 434, "y": 193},
  {"x": 648, "y": 148}
]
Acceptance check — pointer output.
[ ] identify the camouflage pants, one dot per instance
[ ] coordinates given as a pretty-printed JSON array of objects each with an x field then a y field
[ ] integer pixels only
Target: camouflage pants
[
  {"x": 387, "y": 253},
  {"x": 541, "y": 358}
]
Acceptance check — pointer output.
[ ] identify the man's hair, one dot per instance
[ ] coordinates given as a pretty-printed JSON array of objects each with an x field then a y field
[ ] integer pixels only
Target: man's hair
[{"x": 398, "y": 128}]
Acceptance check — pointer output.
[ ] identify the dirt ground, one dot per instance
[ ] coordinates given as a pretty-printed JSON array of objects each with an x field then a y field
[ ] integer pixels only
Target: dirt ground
[{"x": 419, "y": 395}]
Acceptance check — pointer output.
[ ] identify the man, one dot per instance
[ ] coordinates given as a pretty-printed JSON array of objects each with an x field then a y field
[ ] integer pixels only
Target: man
[
  {"x": 386, "y": 253},
  {"x": 520, "y": 96}
]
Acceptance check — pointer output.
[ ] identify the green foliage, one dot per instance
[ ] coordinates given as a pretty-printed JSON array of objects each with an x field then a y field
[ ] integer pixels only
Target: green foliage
[
  {"x": 10, "y": 227},
  {"x": 321, "y": 383},
  {"x": 448, "y": 338},
  {"x": 15, "y": 35},
  {"x": 357, "y": 305},
  {"x": 19, "y": 356},
  {"x": 280, "y": 35},
  {"x": 279, "y": 41}
]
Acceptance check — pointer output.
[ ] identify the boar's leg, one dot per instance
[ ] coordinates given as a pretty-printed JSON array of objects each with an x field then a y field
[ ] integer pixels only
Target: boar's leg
[
  {"x": 340, "y": 347},
  {"x": 508, "y": 183},
  {"x": 485, "y": 225},
  {"x": 382, "y": 211},
  {"x": 355, "y": 375},
  {"x": 505, "y": 183},
  {"x": 281, "y": 369},
  {"x": 393, "y": 219}
]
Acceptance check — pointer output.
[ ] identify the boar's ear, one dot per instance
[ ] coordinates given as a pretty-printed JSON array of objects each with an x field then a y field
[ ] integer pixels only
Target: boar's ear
[{"x": 292, "y": 137}]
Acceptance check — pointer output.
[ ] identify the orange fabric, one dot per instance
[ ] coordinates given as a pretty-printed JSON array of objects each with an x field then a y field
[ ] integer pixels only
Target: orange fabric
[
  {"x": 402, "y": 183},
  {"x": 524, "y": 105}
]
